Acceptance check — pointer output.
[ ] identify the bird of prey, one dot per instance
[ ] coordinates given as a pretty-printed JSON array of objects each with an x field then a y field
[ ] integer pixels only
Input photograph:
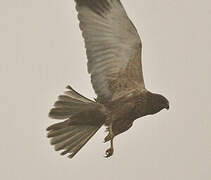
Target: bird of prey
[{"x": 113, "y": 49}]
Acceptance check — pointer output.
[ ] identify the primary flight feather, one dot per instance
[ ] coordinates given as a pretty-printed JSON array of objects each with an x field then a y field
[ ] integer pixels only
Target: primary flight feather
[{"x": 113, "y": 49}]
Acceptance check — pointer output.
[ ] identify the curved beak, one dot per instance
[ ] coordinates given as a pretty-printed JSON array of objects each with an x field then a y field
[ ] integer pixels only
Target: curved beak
[{"x": 167, "y": 107}]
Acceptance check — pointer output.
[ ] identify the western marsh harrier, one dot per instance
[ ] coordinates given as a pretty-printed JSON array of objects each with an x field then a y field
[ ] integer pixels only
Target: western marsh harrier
[{"x": 113, "y": 49}]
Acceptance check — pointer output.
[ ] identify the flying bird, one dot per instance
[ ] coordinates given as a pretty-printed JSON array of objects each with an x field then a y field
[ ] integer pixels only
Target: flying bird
[{"x": 113, "y": 49}]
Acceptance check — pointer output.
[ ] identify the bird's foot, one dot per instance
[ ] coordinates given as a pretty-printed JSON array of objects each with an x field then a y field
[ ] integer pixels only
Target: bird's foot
[
  {"x": 109, "y": 152},
  {"x": 107, "y": 138}
]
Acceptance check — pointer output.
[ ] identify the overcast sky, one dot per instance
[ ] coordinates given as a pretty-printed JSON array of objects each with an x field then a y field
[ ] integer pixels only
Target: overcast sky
[{"x": 42, "y": 51}]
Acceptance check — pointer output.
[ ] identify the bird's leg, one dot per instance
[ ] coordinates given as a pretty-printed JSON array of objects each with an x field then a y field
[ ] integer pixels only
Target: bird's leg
[{"x": 110, "y": 151}]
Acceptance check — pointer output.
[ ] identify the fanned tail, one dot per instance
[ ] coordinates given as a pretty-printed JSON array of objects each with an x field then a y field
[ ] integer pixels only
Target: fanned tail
[{"x": 83, "y": 117}]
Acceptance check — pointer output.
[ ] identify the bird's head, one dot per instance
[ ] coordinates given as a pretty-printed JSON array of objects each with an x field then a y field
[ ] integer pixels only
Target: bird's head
[{"x": 157, "y": 102}]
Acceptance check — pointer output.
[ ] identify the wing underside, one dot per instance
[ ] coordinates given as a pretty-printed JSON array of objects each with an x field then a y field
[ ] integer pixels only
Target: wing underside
[{"x": 113, "y": 47}]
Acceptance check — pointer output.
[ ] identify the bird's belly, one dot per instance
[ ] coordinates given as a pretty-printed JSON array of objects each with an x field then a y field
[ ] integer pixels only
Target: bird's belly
[
  {"x": 123, "y": 123},
  {"x": 121, "y": 126}
]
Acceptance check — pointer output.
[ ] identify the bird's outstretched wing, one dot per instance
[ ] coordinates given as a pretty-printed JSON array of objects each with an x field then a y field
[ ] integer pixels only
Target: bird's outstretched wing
[{"x": 113, "y": 48}]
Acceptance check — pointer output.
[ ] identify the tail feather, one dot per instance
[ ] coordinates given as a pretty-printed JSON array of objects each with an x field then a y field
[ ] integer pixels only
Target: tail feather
[
  {"x": 76, "y": 95},
  {"x": 73, "y": 138},
  {"x": 70, "y": 104},
  {"x": 64, "y": 104},
  {"x": 57, "y": 126},
  {"x": 64, "y": 136},
  {"x": 57, "y": 132},
  {"x": 74, "y": 149},
  {"x": 62, "y": 144},
  {"x": 83, "y": 119}
]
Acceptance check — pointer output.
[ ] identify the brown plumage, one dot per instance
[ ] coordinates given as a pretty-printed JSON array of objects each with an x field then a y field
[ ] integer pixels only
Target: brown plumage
[{"x": 113, "y": 49}]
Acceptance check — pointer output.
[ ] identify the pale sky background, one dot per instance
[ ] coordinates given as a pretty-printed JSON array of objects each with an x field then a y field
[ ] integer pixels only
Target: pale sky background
[{"x": 42, "y": 51}]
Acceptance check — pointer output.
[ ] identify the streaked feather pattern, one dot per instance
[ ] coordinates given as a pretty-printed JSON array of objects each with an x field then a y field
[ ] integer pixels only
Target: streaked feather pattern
[{"x": 112, "y": 44}]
